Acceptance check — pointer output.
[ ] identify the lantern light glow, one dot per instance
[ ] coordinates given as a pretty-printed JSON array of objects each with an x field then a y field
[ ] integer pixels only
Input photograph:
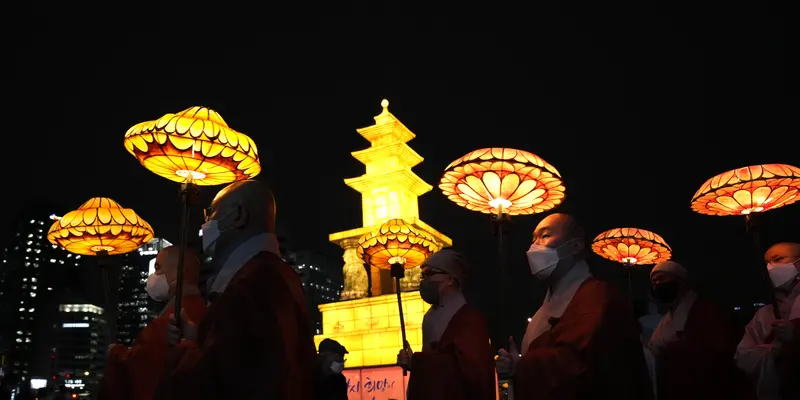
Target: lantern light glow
[
  {"x": 396, "y": 242},
  {"x": 195, "y": 145},
  {"x": 742, "y": 191},
  {"x": 100, "y": 224},
  {"x": 503, "y": 181},
  {"x": 632, "y": 246}
]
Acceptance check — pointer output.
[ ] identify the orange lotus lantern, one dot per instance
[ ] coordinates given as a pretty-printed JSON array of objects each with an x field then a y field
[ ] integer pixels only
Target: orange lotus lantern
[
  {"x": 396, "y": 246},
  {"x": 750, "y": 191},
  {"x": 195, "y": 147},
  {"x": 100, "y": 227},
  {"x": 503, "y": 181},
  {"x": 632, "y": 246}
]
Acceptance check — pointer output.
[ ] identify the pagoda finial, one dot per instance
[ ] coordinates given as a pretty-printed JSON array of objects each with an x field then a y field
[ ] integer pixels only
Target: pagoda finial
[{"x": 385, "y": 105}]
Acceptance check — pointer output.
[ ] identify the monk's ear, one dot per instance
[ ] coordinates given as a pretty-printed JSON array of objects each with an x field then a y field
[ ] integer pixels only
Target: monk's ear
[
  {"x": 578, "y": 247},
  {"x": 241, "y": 216}
]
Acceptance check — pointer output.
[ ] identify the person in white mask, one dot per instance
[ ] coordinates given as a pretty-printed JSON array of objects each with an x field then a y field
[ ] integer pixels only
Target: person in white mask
[
  {"x": 583, "y": 342},
  {"x": 134, "y": 372},
  {"x": 331, "y": 383},
  {"x": 770, "y": 349},
  {"x": 258, "y": 326},
  {"x": 457, "y": 360},
  {"x": 693, "y": 344}
]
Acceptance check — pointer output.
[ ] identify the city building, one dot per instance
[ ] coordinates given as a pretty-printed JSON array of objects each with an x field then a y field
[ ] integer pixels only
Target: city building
[
  {"x": 32, "y": 273},
  {"x": 321, "y": 279},
  {"x": 80, "y": 351},
  {"x": 135, "y": 309}
]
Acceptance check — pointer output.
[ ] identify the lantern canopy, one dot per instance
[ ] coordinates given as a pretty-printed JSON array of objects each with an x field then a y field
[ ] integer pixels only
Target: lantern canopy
[
  {"x": 632, "y": 246},
  {"x": 742, "y": 191},
  {"x": 396, "y": 242},
  {"x": 194, "y": 145},
  {"x": 503, "y": 181},
  {"x": 100, "y": 225}
]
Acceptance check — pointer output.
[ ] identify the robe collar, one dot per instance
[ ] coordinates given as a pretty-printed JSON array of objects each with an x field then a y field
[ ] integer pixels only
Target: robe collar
[
  {"x": 240, "y": 256},
  {"x": 437, "y": 318},
  {"x": 556, "y": 301},
  {"x": 188, "y": 290},
  {"x": 674, "y": 321}
]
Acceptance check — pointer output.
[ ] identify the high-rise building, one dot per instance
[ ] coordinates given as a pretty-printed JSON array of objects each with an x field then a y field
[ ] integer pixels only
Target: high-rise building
[
  {"x": 31, "y": 274},
  {"x": 322, "y": 282},
  {"x": 135, "y": 309},
  {"x": 81, "y": 342}
]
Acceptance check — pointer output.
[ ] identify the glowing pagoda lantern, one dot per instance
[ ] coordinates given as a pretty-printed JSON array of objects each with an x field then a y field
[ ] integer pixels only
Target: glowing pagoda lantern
[
  {"x": 750, "y": 191},
  {"x": 396, "y": 246},
  {"x": 100, "y": 227},
  {"x": 195, "y": 147},
  {"x": 632, "y": 247}
]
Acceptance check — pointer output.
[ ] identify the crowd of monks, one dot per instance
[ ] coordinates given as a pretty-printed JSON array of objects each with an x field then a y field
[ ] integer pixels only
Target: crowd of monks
[{"x": 250, "y": 338}]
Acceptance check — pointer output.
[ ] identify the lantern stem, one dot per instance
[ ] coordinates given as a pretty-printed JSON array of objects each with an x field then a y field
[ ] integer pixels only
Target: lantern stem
[
  {"x": 398, "y": 272},
  {"x": 104, "y": 262},
  {"x": 189, "y": 194},
  {"x": 752, "y": 224}
]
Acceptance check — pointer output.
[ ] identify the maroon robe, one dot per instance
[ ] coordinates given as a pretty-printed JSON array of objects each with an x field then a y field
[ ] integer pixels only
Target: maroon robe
[
  {"x": 592, "y": 352},
  {"x": 460, "y": 366},
  {"x": 255, "y": 342},
  {"x": 133, "y": 373},
  {"x": 699, "y": 365}
]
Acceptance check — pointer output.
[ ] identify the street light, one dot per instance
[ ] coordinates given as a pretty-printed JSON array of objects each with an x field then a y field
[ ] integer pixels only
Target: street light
[
  {"x": 100, "y": 227},
  {"x": 396, "y": 246},
  {"x": 195, "y": 147},
  {"x": 631, "y": 247},
  {"x": 750, "y": 191}
]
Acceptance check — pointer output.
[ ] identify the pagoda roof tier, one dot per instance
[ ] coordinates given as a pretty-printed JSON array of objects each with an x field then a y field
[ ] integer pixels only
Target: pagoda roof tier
[
  {"x": 387, "y": 128},
  {"x": 406, "y": 154},
  {"x": 356, "y": 233},
  {"x": 402, "y": 177}
]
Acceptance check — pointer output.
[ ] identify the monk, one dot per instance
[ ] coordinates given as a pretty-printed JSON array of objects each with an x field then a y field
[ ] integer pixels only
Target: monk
[
  {"x": 770, "y": 349},
  {"x": 133, "y": 372},
  {"x": 694, "y": 343},
  {"x": 457, "y": 360},
  {"x": 256, "y": 340},
  {"x": 583, "y": 343}
]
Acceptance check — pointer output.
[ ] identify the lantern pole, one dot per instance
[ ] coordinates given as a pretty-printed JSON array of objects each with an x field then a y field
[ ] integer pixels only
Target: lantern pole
[
  {"x": 398, "y": 272},
  {"x": 753, "y": 227},
  {"x": 500, "y": 223},
  {"x": 189, "y": 194},
  {"x": 104, "y": 262}
]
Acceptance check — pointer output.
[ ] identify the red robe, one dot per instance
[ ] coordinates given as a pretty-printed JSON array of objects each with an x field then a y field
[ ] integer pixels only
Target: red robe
[
  {"x": 133, "y": 373},
  {"x": 699, "y": 365},
  {"x": 255, "y": 342},
  {"x": 460, "y": 366},
  {"x": 592, "y": 352}
]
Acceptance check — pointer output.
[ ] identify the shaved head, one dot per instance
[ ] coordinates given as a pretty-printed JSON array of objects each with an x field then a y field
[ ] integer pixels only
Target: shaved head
[
  {"x": 557, "y": 229},
  {"x": 783, "y": 252},
  {"x": 167, "y": 264},
  {"x": 242, "y": 210}
]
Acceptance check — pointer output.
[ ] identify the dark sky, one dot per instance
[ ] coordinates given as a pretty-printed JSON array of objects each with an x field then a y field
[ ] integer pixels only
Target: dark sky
[{"x": 636, "y": 106}]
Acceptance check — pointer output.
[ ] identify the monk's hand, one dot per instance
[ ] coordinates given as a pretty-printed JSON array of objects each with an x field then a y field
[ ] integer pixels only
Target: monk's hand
[
  {"x": 404, "y": 356},
  {"x": 506, "y": 360},
  {"x": 187, "y": 331},
  {"x": 782, "y": 332}
]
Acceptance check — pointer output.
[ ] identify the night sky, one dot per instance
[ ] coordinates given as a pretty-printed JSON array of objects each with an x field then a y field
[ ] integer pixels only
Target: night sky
[{"x": 635, "y": 111}]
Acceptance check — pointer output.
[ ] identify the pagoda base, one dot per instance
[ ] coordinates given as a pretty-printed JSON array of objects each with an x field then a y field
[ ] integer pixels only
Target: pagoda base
[{"x": 370, "y": 327}]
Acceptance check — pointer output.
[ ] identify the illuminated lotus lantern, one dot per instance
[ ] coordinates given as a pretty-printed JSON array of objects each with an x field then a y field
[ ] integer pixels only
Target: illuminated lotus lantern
[
  {"x": 396, "y": 246},
  {"x": 750, "y": 191},
  {"x": 100, "y": 227},
  {"x": 503, "y": 181},
  {"x": 632, "y": 247},
  {"x": 195, "y": 147}
]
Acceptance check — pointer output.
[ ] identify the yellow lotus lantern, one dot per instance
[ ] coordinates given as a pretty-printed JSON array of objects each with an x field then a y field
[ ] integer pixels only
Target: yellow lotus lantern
[
  {"x": 750, "y": 191},
  {"x": 194, "y": 145},
  {"x": 396, "y": 246},
  {"x": 503, "y": 181},
  {"x": 757, "y": 188},
  {"x": 632, "y": 246},
  {"x": 100, "y": 227}
]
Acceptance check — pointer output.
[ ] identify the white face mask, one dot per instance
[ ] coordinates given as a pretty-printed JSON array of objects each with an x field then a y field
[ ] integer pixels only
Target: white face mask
[
  {"x": 211, "y": 234},
  {"x": 543, "y": 259},
  {"x": 157, "y": 287},
  {"x": 780, "y": 273},
  {"x": 337, "y": 367}
]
